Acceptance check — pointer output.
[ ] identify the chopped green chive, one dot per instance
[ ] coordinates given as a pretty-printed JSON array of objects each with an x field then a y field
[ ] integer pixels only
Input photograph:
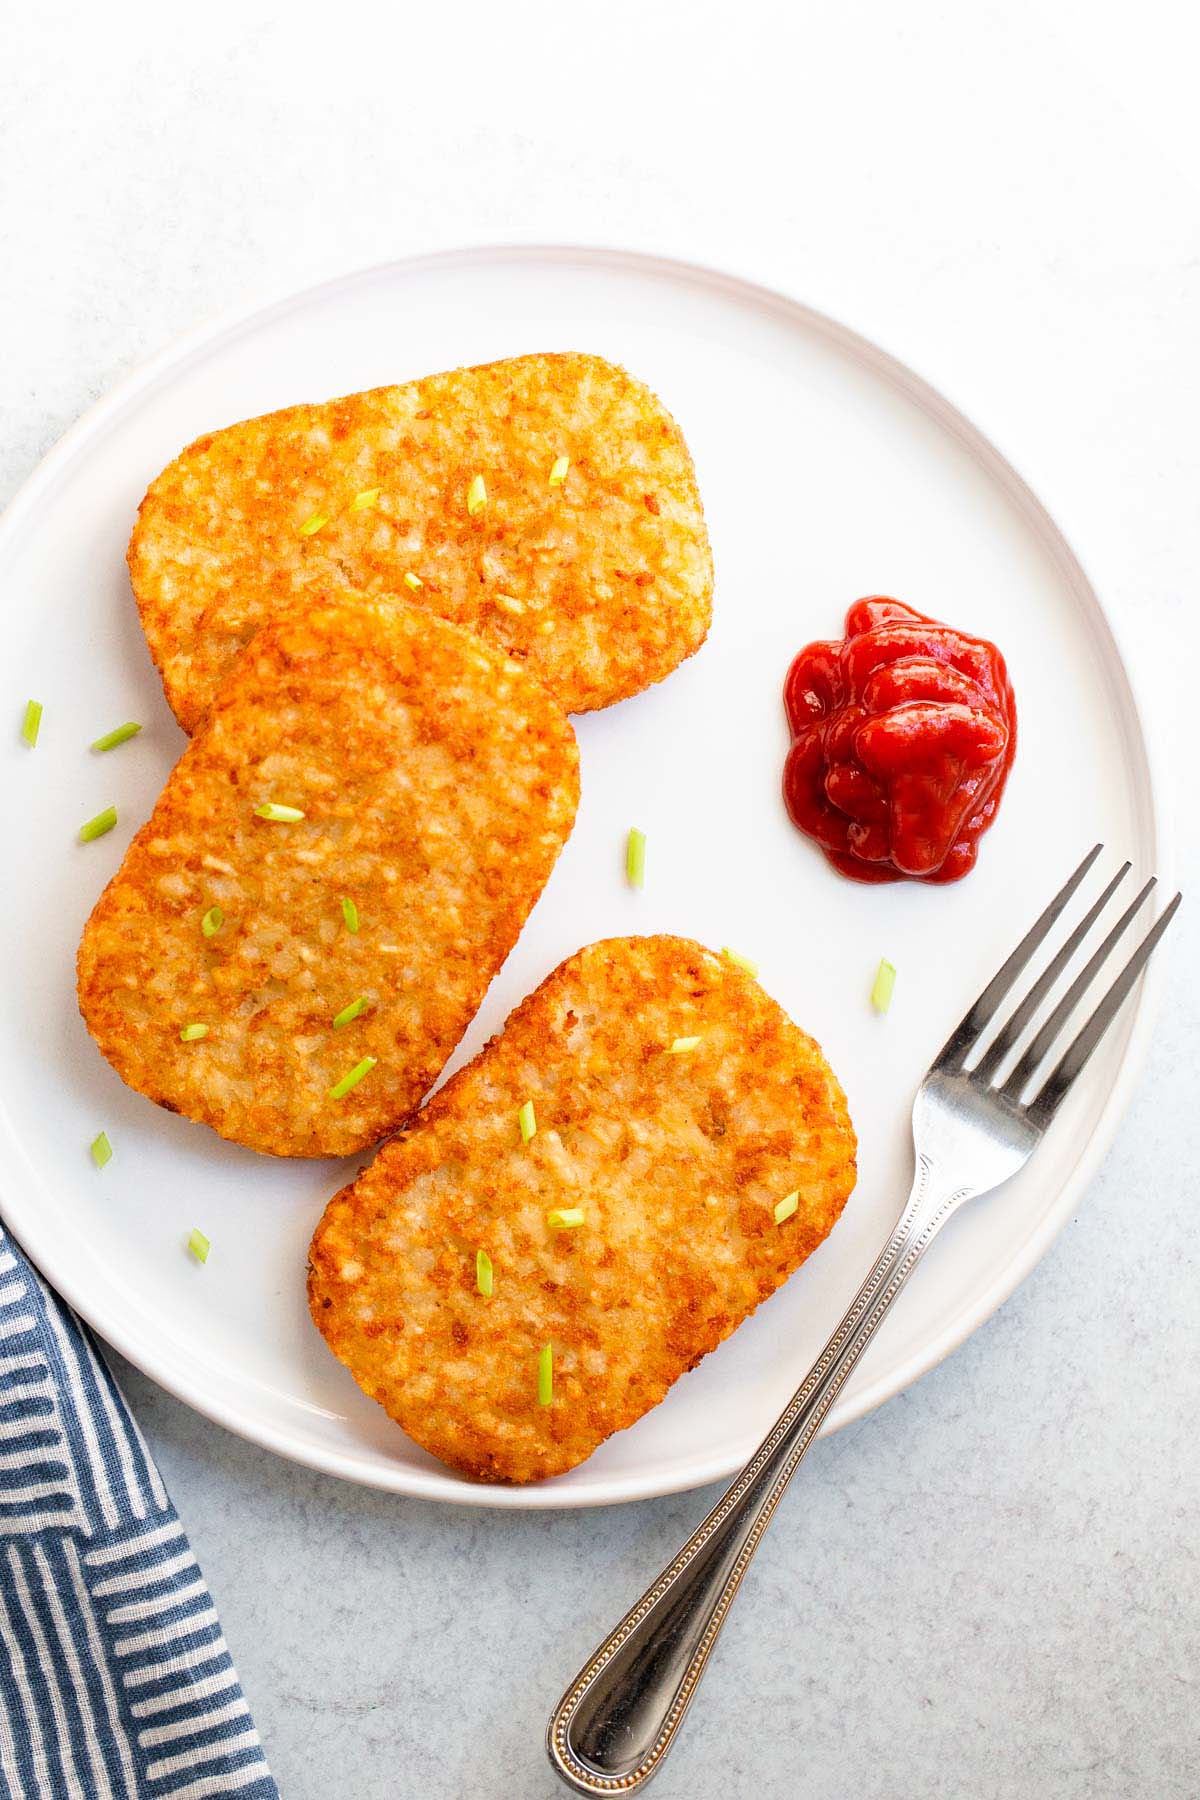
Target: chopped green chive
[
  {"x": 681, "y": 1046},
  {"x": 413, "y": 581},
  {"x": 101, "y": 1150},
  {"x": 313, "y": 523},
  {"x": 31, "y": 724},
  {"x": 121, "y": 735},
  {"x": 564, "y": 1218},
  {"x": 199, "y": 1246},
  {"x": 558, "y": 473},
  {"x": 341, "y": 1088},
  {"x": 350, "y": 1012},
  {"x": 786, "y": 1207},
  {"x": 190, "y": 1033},
  {"x": 476, "y": 495},
  {"x": 885, "y": 982},
  {"x": 635, "y": 858},
  {"x": 103, "y": 821},
  {"x": 349, "y": 913},
  {"x": 362, "y": 501},
  {"x": 483, "y": 1273},
  {"x": 212, "y": 921},
  {"x": 282, "y": 815},
  {"x": 527, "y": 1120},
  {"x": 739, "y": 961},
  {"x": 545, "y": 1375}
]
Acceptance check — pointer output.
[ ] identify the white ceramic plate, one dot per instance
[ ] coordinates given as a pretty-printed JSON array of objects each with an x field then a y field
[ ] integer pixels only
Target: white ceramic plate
[{"x": 828, "y": 471}]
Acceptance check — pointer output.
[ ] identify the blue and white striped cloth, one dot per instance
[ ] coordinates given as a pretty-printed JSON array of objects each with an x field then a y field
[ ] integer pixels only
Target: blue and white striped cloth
[{"x": 115, "y": 1680}]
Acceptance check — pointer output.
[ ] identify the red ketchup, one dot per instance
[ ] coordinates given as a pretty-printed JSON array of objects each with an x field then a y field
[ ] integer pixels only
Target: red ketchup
[{"x": 903, "y": 734}]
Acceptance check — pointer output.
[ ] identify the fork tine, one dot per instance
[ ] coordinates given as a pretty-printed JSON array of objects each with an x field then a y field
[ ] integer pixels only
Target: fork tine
[
  {"x": 1057, "y": 1084},
  {"x": 962, "y": 1039},
  {"x": 1043, "y": 1043},
  {"x": 1007, "y": 1037}
]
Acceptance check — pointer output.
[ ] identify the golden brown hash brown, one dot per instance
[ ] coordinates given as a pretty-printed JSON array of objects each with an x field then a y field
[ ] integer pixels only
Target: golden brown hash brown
[
  {"x": 438, "y": 784},
  {"x": 677, "y": 1161},
  {"x": 600, "y": 583}
]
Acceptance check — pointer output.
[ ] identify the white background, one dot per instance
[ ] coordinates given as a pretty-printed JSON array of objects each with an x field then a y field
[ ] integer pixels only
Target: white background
[{"x": 990, "y": 1588}]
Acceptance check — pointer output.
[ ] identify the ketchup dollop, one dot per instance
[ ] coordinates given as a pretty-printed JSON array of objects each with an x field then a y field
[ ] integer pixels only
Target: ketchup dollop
[{"x": 903, "y": 733}]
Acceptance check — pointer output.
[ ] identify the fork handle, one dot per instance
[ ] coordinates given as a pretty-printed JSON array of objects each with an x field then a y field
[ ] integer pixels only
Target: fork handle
[{"x": 617, "y": 1720}]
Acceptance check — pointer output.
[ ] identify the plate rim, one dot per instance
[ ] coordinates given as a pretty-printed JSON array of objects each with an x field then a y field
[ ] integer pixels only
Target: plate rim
[{"x": 436, "y": 1484}]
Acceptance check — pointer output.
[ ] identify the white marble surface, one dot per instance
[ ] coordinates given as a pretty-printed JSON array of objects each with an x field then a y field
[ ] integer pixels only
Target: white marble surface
[{"x": 990, "y": 1588}]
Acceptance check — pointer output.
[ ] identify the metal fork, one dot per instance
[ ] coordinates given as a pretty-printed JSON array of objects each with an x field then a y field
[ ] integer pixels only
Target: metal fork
[{"x": 617, "y": 1720}]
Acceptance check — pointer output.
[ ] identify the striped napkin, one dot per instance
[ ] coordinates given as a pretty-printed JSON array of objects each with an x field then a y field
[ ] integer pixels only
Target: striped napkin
[{"x": 115, "y": 1680}]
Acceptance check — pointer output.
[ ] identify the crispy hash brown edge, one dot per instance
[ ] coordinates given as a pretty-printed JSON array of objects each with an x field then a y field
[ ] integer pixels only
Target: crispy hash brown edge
[{"x": 557, "y": 1444}]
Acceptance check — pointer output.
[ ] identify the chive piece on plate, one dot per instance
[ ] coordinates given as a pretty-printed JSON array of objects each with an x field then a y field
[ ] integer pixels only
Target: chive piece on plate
[
  {"x": 367, "y": 498},
  {"x": 350, "y": 1012},
  {"x": 681, "y": 1046},
  {"x": 31, "y": 724},
  {"x": 739, "y": 961},
  {"x": 483, "y": 1274},
  {"x": 786, "y": 1207},
  {"x": 280, "y": 815},
  {"x": 212, "y": 921},
  {"x": 545, "y": 1375},
  {"x": 564, "y": 1218},
  {"x": 413, "y": 581},
  {"x": 95, "y": 828},
  {"x": 313, "y": 523},
  {"x": 349, "y": 913},
  {"x": 476, "y": 495},
  {"x": 527, "y": 1120},
  {"x": 885, "y": 982},
  {"x": 635, "y": 858},
  {"x": 101, "y": 1150},
  {"x": 120, "y": 734},
  {"x": 341, "y": 1088},
  {"x": 199, "y": 1245},
  {"x": 191, "y": 1033},
  {"x": 558, "y": 473}
]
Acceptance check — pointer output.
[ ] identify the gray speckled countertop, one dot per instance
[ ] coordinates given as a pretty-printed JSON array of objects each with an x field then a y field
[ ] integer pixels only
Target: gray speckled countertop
[{"x": 989, "y": 1588}]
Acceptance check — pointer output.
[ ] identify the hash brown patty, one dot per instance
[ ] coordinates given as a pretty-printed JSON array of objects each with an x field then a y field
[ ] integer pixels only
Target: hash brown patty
[
  {"x": 676, "y": 1159},
  {"x": 437, "y": 784},
  {"x": 600, "y": 583}
]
